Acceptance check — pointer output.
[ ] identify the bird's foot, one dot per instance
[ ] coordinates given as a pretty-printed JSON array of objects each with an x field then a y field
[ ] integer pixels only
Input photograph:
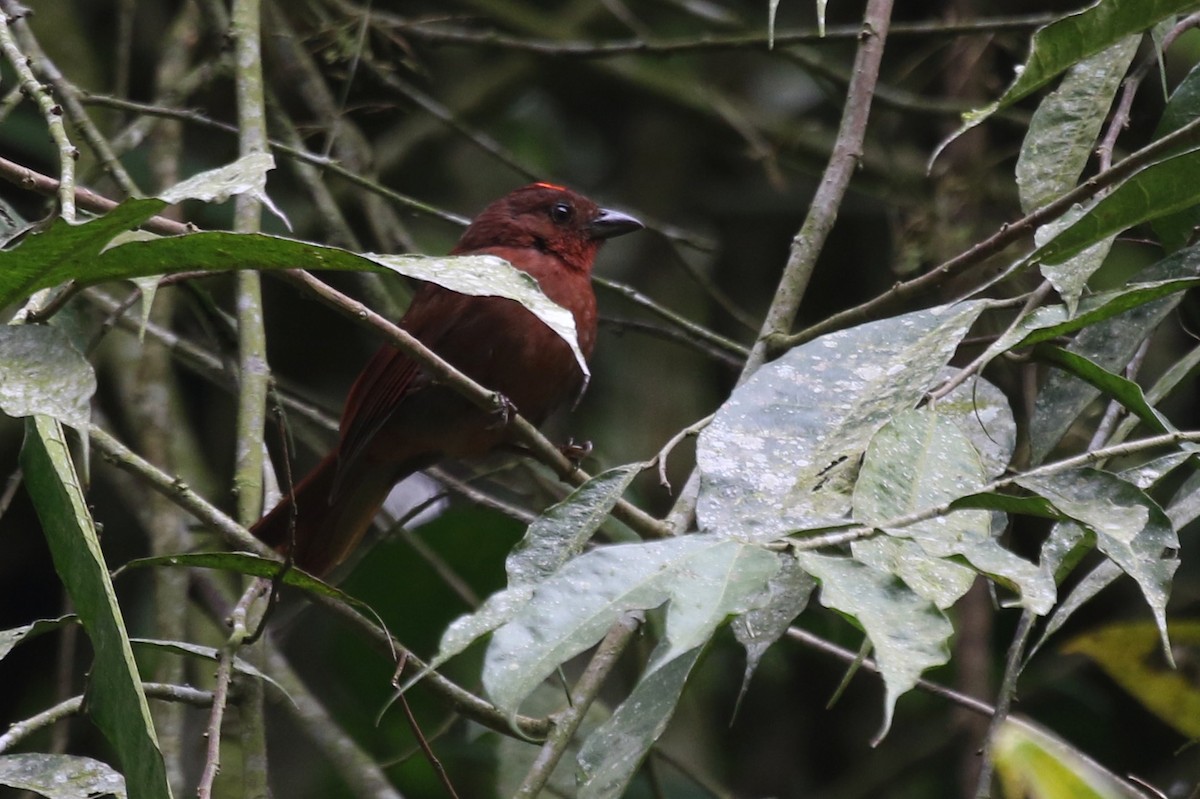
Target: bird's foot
[
  {"x": 502, "y": 411},
  {"x": 575, "y": 451}
]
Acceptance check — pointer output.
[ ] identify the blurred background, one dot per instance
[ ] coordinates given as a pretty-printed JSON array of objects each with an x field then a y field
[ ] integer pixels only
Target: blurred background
[{"x": 673, "y": 110}]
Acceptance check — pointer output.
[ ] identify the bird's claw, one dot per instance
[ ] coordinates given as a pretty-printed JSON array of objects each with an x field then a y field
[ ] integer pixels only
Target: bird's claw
[
  {"x": 503, "y": 411},
  {"x": 575, "y": 451}
]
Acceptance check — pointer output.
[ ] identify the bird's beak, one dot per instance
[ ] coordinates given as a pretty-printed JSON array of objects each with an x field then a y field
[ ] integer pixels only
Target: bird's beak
[{"x": 610, "y": 223}]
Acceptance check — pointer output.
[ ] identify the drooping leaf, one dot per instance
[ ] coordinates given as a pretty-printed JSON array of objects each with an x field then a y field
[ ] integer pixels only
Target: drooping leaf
[
  {"x": 1063, "y": 130},
  {"x": 61, "y": 776},
  {"x": 1130, "y": 527},
  {"x": 1162, "y": 188},
  {"x": 11, "y": 637},
  {"x": 189, "y": 649},
  {"x": 1069, "y": 40},
  {"x": 982, "y": 412},
  {"x": 551, "y": 540},
  {"x": 1110, "y": 344},
  {"x": 1128, "y": 652},
  {"x": 41, "y": 372},
  {"x": 704, "y": 578},
  {"x": 611, "y": 755},
  {"x": 788, "y": 593},
  {"x": 909, "y": 634},
  {"x": 1175, "y": 230},
  {"x": 922, "y": 460},
  {"x": 117, "y": 702},
  {"x": 779, "y": 455},
  {"x": 1123, "y": 390}
]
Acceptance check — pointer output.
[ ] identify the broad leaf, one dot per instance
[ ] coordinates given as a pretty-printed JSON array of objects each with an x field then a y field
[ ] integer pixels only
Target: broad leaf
[
  {"x": 909, "y": 634},
  {"x": 556, "y": 536},
  {"x": 1131, "y": 529},
  {"x": 1175, "y": 230},
  {"x": 1031, "y": 762},
  {"x": 1128, "y": 653},
  {"x": 919, "y": 461},
  {"x": 1069, "y": 40},
  {"x": 788, "y": 593},
  {"x": 704, "y": 578},
  {"x": 41, "y": 372},
  {"x": 611, "y": 755},
  {"x": 1063, "y": 130},
  {"x": 779, "y": 455},
  {"x": 61, "y": 776}
]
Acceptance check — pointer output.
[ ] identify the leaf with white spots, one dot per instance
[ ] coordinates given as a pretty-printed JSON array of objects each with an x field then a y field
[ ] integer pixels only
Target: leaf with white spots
[
  {"x": 780, "y": 454},
  {"x": 918, "y": 462},
  {"x": 703, "y": 579},
  {"x": 909, "y": 633},
  {"x": 1130, "y": 528},
  {"x": 41, "y": 372}
]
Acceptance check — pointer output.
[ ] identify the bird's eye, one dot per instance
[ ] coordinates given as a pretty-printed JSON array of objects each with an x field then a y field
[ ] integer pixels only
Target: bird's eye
[{"x": 561, "y": 213}]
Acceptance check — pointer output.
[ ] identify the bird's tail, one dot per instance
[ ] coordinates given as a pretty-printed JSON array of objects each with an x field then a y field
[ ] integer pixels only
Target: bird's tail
[{"x": 321, "y": 526}]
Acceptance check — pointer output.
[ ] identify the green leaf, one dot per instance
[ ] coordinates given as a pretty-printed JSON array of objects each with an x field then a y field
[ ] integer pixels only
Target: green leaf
[
  {"x": 1128, "y": 653},
  {"x": 11, "y": 637},
  {"x": 1109, "y": 343},
  {"x": 1063, "y": 130},
  {"x": 779, "y": 455},
  {"x": 1031, "y": 762},
  {"x": 788, "y": 593},
  {"x": 922, "y": 460},
  {"x": 610, "y": 756},
  {"x": 555, "y": 537},
  {"x": 704, "y": 578},
  {"x": 116, "y": 700},
  {"x": 61, "y": 776},
  {"x": 909, "y": 634},
  {"x": 1175, "y": 230},
  {"x": 41, "y": 372},
  {"x": 982, "y": 412},
  {"x": 205, "y": 653},
  {"x": 1162, "y": 188},
  {"x": 1069, "y": 40},
  {"x": 1130, "y": 527},
  {"x": 1123, "y": 390}
]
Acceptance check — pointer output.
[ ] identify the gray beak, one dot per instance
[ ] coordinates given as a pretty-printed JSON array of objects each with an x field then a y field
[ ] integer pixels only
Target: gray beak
[{"x": 612, "y": 223}]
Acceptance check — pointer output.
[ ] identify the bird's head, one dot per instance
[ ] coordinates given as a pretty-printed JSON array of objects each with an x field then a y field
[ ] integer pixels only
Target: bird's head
[{"x": 550, "y": 219}]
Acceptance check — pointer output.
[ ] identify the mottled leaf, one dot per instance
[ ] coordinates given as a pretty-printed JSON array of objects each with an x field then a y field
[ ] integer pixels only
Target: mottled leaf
[
  {"x": 611, "y": 755},
  {"x": 704, "y": 578},
  {"x": 779, "y": 455},
  {"x": 909, "y": 634},
  {"x": 61, "y": 776},
  {"x": 41, "y": 372}
]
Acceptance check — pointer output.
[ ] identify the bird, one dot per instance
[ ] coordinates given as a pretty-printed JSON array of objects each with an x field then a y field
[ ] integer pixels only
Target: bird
[{"x": 397, "y": 420}]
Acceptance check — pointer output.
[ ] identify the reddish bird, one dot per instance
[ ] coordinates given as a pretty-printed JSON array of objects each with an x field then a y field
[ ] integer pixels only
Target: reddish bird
[{"x": 398, "y": 421}]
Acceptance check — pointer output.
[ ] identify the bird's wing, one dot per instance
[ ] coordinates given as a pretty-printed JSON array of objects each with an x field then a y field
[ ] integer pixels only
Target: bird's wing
[{"x": 391, "y": 375}]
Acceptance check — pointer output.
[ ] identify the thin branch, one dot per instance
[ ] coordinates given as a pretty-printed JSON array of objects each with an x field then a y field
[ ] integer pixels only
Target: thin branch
[
  {"x": 582, "y": 696},
  {"x": 442, "y": 34},
  {"x": 1006, "y": 235},
  {"x": 1008, "y": 691},
  {"x": 53, "y": 113},
  {"x": 20, "y": 730}
]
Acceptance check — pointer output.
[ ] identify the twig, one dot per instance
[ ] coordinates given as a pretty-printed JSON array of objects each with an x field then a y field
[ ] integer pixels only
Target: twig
[
  {"x": 19, "y": 731},
  {"x": 34, "y": 90},
  {"x": 1008, "y": 690},
  {"x": 228, "y": 653},
  {"x": 674, "y": 441},
  {"x": 582, "y": 696},
  {"x": 441, "y": 34},
  {"x": 677, "y": 320},
  {"x": 1006, "y": 235}
]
